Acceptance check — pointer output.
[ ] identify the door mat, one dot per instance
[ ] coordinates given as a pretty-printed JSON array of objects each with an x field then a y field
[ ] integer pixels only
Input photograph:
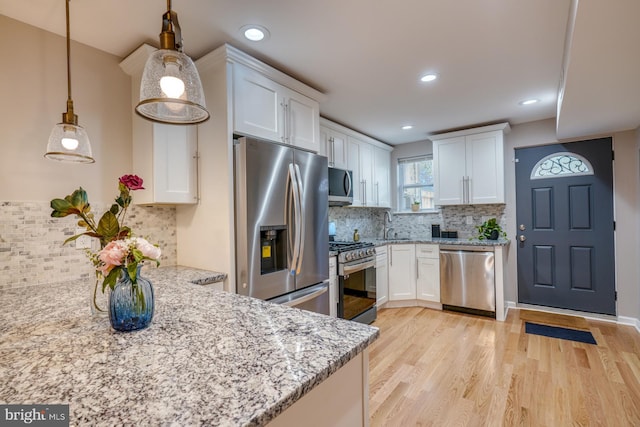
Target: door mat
[
  {"x": 561, "y": 333},
  {"x": 554, "y": 319}
]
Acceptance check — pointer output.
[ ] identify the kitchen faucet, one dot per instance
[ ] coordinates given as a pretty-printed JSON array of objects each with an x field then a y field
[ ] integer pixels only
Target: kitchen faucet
[{"x": 385, "y": 231}]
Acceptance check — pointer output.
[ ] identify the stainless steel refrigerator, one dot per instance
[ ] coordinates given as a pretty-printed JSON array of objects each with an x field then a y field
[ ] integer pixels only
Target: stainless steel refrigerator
[{"x": 281, "y": 211}]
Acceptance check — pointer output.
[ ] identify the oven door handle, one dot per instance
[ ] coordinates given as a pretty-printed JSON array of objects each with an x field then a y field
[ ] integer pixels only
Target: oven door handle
[{"x": 357, "y": 267}]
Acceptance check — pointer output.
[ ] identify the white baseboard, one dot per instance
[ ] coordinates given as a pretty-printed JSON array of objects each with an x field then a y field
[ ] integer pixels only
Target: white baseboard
[{"x": 623, "y": 320}]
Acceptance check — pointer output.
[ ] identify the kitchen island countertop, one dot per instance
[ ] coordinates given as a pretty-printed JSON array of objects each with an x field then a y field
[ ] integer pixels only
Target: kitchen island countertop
[{"x": 208, "y": 358}]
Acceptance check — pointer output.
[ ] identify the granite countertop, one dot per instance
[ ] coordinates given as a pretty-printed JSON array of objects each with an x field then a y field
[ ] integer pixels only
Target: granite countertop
[
  {"x": 441, "y": 241},
  {"x": 208, "y": 358}
]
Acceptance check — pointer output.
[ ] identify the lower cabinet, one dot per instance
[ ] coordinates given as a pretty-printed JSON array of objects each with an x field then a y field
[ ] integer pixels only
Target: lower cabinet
[
  {"x": 382, "y": 276},
  {"x": 402, "y": 272},
  {"x": 428, "y": 271},
  {"x": 414, "y": 273},
  {"x": 333, "y": 287}
]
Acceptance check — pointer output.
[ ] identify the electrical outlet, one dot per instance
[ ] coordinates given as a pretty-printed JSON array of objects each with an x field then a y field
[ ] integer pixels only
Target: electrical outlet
[
  {"x": 82, "y": 242},
  {"x": 469, "y": 220}
]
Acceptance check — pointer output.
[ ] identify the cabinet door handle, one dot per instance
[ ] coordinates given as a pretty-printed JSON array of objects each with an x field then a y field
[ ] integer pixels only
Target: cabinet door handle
[
  {"x": 390, "y": 255},
  {"x": 417, "y": 269},
  {"x": 469, "y": 190},
  {"x": 333, "y": 151},
  {"x": 378, "y": 193},
  {"x": 284, "y": 123}
]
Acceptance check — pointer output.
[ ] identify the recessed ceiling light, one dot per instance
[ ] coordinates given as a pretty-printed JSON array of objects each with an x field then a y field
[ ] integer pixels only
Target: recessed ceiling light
[
  {"x": 428, "y": 77},
  {"x": 529, "y": 101},
  {"x": 255, "y": 33},
  {"x": 407, "y": 127}
]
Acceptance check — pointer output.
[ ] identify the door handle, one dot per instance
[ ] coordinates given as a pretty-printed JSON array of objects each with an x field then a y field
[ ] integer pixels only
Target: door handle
[
  {"x": 522, "y": 238},
  {"x": 305, "y": 298}
]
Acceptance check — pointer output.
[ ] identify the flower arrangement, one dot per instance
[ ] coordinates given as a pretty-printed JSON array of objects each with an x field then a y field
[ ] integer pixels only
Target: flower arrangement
[{"x": 120, "y": 250}]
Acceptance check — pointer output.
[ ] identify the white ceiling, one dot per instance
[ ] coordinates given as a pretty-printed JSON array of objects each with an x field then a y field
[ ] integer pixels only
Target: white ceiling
[{"x": 367, "y": 56}]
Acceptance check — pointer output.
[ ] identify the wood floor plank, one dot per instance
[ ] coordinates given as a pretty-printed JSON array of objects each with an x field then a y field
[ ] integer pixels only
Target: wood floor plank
[
  {"x": 553, "y": 319},
  {"x": 434, "y": 368}
]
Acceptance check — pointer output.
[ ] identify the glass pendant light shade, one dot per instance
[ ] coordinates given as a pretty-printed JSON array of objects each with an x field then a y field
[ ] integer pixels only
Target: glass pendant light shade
[
  {"x": 69, "y": 143},
  {"x": 170, "y": 90}
]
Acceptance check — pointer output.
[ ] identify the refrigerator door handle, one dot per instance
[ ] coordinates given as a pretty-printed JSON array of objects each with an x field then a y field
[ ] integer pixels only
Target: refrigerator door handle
[
  {"x": 295, "y": 190},
  {"x": 300, "y": 224},
  {"x": 291, "y": 213}
]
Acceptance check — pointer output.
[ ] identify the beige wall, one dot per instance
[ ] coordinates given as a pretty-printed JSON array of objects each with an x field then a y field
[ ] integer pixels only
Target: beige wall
[
  {"x": 34, "y": 88},
  {"x": 626, "y": 204}
]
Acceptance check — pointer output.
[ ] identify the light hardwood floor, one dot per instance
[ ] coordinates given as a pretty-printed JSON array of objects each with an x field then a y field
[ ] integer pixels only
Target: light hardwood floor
[{"x": 434, "y": 368}]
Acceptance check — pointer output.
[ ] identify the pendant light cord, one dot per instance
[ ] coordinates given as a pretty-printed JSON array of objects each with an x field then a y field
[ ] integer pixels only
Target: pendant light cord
[{"x": 68, "y": 53}]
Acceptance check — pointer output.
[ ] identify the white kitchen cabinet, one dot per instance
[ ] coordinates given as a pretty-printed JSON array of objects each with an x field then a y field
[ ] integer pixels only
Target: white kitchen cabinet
[
  {"x": 382, "y": 276},
  {"x": 174, "y": 159},
  {"x": 381, "y": 176},
  {"x": 333, "y": 287},
  {"x": 428, "y": 272},
  {"x": 164, "y": 156},
  {"x": 371, "y": 171},
  {"x": 266, "y": 109},
  {"x": 402, "y": 272},
  {"x": 368, "y": 159},
  {"x": 333, "y": 145},
  {"x": 468, "y": 166}
]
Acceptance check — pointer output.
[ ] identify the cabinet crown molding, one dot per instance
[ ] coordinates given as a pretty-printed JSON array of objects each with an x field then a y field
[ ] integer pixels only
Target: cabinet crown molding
[
  {"x": 504, "y": 127},
  {"x": 324, "y": 122},
  {"x": 133, "y": 64},
  {"x": 230, "y": 54}
]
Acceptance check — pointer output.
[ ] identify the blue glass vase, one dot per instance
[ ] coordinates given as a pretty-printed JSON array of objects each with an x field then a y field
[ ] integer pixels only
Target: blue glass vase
[{"x": 131, "y": 305}]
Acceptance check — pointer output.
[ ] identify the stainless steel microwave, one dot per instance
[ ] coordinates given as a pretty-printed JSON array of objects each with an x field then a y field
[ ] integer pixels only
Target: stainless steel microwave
[{"x": 340, "y": 187}]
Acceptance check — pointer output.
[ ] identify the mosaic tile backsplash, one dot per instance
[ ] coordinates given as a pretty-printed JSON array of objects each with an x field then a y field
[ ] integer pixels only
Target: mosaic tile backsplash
[
  {"x": 370, "y": 221},
  {"x": 31, "y": 251}
]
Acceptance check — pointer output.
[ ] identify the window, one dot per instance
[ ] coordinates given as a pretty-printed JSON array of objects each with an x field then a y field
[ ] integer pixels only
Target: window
[
  {"x": 415, "y": 182},
  {"x": 559, "y": 164}
]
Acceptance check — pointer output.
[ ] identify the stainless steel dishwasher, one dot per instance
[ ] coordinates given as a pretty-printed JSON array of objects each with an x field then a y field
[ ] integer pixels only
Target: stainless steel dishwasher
[{"x": 467, "y": 278}]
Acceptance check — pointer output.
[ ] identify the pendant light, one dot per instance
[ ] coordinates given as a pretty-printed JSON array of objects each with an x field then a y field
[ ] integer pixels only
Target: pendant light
[
  {"x": 69, "y": 142},
  {"x": 171, "y": 91}
]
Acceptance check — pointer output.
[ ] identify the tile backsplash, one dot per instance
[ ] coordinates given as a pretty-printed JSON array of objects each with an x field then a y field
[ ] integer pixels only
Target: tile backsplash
[
  {"x": 31, "y": 251},
  {"x": 370, "y": 221}
]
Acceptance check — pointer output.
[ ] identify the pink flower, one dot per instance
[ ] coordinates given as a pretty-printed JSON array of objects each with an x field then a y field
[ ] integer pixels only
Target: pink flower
[
  {"x": 132, "y": 182},
  {"x": 112, "y": 255},
  {"x": 147, "y": 249}
]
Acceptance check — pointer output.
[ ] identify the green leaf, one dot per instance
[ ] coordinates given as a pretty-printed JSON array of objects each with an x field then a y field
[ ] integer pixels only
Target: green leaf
[
  {"x": 71, "y": 239},
  {"x": 111, "y": 278},
  {"x": 62, "y": 208},
  {"x": 114, "y": 209},
  {"x": 83, "y": 223},
  {"x": 108, "y": 226},
  {"x": 132, "y": 269},
  {"x": 79, "y": 199},
  {"x": 137, "y": 255}
]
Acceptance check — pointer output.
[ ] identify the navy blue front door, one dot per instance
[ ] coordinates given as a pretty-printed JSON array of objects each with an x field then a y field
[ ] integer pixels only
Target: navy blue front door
[{"x": 564, "y": 199}]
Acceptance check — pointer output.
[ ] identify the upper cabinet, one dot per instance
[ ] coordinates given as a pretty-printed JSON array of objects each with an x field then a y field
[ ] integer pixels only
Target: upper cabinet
[
  {"x": 266, "y": 109},
  {"x": 164, "y": 156},
  {"x": 468, "y": 166},
  {"x": 367, "y": 158},
  {"x": 333, "y": 145}
]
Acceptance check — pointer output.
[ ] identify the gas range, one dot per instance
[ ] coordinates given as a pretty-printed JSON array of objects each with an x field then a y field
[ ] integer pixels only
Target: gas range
[{"x": 352, "y": 251}]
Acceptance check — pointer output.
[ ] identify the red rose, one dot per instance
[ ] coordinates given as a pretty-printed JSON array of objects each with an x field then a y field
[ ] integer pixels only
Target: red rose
[{"x": 132, "y": 182}]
